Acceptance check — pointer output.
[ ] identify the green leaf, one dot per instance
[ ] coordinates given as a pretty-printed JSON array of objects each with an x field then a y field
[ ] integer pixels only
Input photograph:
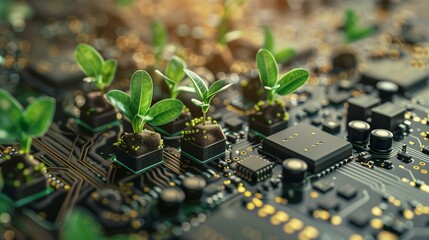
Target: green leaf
[
  {"x": 197, "y": 102},
  {"x": 80, "y": 224},
  {"x": 199, "y": 84},
  {"x": 174, "y": 70},
  {"x": 170, "y": 82},
  {"x": 89, "y": 60},
  {"x": 285, "y": 55},
  {"x": 215, "y": 88},
  {"x": 268, "y": 39},
  {"x": 185, "y": 89},
  {"x": 267, "y": 67},
  {"x": 292, "y": 80},
  {"x": 141, "y": 92},
  {"x": 121, "y": 101},
  {"x": 164, "y": 111},
  {"x": 108, "y": 71},
  {"x": 159, "y": 37},
  {"x": 10, "y": 116},
  {"x": 38, "y": 116},
  {"x": 7, "y": 205}
]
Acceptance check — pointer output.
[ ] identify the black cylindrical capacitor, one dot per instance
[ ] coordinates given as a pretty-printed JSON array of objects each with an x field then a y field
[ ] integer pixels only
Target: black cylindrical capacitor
[
  {"x": 170, "y": 201},
  {"x": 386, "y": 90},
  {"x": 193, "y": 188},
  {"x": 381, "y": 140},
  {"x": 358, "y": 131},
  {"x": 294, "y": 171}
]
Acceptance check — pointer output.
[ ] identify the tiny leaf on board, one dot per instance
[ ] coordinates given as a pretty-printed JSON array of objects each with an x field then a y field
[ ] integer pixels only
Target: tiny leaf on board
[
  {"x": 136, "y": 107},
  {"x": 38, "y": 116},
  {"x": 199, "y": 84},
  {"x": 89, "y": 60},
  {"x": 10, "y": 116},
  {"x": 292, "y": 80},
  {"x": 174, "y": 70},
  {"x": 108, "y": 71},
  {"x": 267, "y": 67},
  {"x": 141, "y": 89},
  {"x": 121, "y": 101},
  {"x": 196, "y": 102},
  {"x": 215, "y": 88},
  {"x": 165, "y": 111}
]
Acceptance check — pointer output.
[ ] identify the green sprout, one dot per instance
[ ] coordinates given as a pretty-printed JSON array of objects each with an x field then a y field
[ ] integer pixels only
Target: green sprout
[
  {"x": 282, "y": 56},
  {"x": 225, "y": 34},
  {"x": 95, "y": 67},
  {"x": 17, "y": 123},
  {"x": 174, "y": 74},
  {"x": 268, "y": 74},
  {"x": 352, "y": 30},
  {"x": 205, "y": 93},
  {"x": 159, "y": 38},
  {"x": 136, "y": 107}
]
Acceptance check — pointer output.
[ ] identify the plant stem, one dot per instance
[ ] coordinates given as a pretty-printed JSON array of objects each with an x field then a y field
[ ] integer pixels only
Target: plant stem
[
  {"x": 204, "y": 117},
  {"x": 138, "y": 124},
  {"x": 173, "y": 92},
  {"x": 25, "y": 143},
  {"x": 270, "y": 96}
]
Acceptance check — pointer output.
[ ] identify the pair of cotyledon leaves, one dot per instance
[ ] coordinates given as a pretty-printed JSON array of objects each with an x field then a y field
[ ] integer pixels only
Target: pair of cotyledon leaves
[
  {"x": 94, "y": 66},
  {"x": 268, "y": 74},
  {"x": 138, "y": 103},
  {"x": 17, "y": 122}
]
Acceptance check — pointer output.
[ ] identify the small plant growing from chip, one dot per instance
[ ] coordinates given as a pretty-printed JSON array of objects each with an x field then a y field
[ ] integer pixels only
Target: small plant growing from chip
[
  {"x": 352, "y": 30},
  {"x": 206, "y": 94},
  {"x": 97, "y": 70},
  {"x": 271, "y": 115},
  {"x": 96, "y": 114},
  {"x": 16, "y": 122},
  {"x": 203, "y": 140},
  {"x": 174, "y": 74},
  {"x": 137, "y": 108},
  {"x": 283, "y": 55}
]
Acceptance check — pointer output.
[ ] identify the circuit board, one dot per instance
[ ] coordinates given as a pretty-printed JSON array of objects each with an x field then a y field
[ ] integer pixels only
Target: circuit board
[{"x": 352, "y": 162}]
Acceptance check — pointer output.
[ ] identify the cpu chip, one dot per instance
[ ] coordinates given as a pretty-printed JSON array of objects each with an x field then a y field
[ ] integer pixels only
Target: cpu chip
[{"x": 318, "y": 149}]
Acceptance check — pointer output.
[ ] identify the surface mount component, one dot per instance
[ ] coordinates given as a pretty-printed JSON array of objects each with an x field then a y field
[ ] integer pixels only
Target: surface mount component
[
  {"x": 254, "y": 169},
  {"x": 317, "y": 148}
]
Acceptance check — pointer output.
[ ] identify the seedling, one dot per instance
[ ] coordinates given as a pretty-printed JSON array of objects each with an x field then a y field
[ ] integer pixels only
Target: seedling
[
  {"x": 17, "y": 123},
  {"x": 95, "y": 67},
  {"x": 282, "y": 56},
  {"x": 136, "y": 106},
  {"x": 352, "y": 30},
  {"x": 268, "y": 74},
  {"x": 225, "y": 34},
  {"x": 174, "y": 74},
  {"x": 159, "y": 38},
  {"x": 205, "y": 93}
]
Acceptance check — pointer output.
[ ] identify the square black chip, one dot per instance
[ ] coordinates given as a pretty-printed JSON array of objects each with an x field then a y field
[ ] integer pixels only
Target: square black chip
[{"x": 317, "y": 148}]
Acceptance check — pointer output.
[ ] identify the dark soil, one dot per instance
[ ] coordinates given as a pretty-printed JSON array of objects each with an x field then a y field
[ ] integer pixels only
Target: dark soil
[
  {"x": 21, "y": 168},
  {"x": 95, "y": 103},
  {"x": 270, "y": 114},
  {"x": 137, "y": 144},
  {"x": 203, "y": 135}
]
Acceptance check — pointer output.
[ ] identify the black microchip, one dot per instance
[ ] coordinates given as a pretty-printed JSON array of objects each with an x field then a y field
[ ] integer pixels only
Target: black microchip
[
  {"x": 359, "y": 219},
  {"x": 254, "y": 169},
  {"x": 234, "y": 124},
  {"x": 347, "y": 191},
  {"x": 317, "y": 148},
  {"x": 323, "y": 186}
]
